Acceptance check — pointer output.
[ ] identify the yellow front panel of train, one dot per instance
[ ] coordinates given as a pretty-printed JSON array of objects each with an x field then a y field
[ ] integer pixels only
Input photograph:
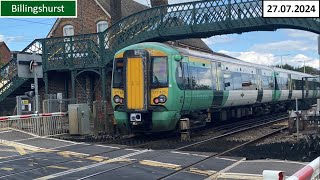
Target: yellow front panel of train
[{"x": 135, "y": 83}]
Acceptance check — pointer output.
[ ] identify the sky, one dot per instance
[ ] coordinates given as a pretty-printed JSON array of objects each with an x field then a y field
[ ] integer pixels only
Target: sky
[{"x": 294, "y": 47}]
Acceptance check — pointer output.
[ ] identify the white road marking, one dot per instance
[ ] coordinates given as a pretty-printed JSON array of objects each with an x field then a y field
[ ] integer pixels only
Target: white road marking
[
  {"x": 5, "y": 131},
  {"x": 112, "y": 147},
  {"x": 189, "y": 154},
  {"x": 91, "y": 166}
]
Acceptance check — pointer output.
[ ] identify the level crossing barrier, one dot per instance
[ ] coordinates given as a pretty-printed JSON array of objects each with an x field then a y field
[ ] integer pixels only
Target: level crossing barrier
[
  {"x": 46, "y": 124},
  {"x": 310, "y": 172}
]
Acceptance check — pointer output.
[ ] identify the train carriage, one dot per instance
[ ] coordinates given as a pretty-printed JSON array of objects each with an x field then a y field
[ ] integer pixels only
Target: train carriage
[{"x": 154, "y": 85}]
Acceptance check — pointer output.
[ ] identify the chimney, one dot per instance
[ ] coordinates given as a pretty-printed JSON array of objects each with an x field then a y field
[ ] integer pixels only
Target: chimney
[
  {"x": 155, "y": 3},
  {"x": 115, "y": 7}
]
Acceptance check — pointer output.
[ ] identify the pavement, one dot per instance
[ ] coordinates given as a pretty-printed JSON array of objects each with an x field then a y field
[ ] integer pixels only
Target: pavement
[{"x": 25, "y": 156}]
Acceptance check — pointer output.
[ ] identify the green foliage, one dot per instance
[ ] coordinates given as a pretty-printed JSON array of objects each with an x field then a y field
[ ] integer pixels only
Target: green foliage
[{"x": 309, "y": 70}]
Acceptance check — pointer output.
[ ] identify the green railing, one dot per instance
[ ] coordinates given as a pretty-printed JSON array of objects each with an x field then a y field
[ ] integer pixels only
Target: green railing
[
  {"x": 197, "y": 19},
  {"x": 9, "y": 80}
]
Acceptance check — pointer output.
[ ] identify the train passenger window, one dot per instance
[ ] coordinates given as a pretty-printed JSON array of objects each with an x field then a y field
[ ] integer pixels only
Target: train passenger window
[
  {"x": 267, "y": 82},
  {"x": 248, "y": 81},
  {"x": 159, "y": 72},
  {"x": 118, "y": 73},
  {"x": 228, "y": 84},
  {"x": 201, "y": 78},
  {"x": 236, "y": 81},
  {"x": 297, "y": 84},
  {"x": 284, "y": 83}
]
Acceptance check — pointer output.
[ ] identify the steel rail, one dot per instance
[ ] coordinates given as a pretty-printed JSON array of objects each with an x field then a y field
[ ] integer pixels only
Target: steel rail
[
  {"x": 137, "y": 161},
  {"x": 122, "y": 148},
  {"x": 224, "y": 152}
]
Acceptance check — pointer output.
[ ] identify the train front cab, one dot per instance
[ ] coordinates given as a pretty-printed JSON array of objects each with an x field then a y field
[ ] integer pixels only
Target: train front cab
[{"x": 141, "y": 89}]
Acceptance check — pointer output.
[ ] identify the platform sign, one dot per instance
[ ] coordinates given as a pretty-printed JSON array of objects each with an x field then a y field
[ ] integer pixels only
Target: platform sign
[{"x": 25, "y": 61}]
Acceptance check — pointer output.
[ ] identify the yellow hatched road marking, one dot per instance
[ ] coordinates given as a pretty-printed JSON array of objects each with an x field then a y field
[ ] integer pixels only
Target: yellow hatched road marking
[
  {"x": 202, "y": 172},
  {"x": 21, "y": 151},
  {"x": 160, "y": 164},
  {"x": 6, "y": 169}
]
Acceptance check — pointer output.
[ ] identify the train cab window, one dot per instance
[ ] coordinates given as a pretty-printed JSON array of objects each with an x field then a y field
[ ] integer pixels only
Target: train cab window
[
  {"x": 118, "y": 73},
  {"x": 159, "y": 72}
]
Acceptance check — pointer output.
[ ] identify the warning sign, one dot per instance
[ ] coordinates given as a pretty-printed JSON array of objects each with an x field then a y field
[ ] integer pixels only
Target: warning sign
[{"x": 25, "y": 102}]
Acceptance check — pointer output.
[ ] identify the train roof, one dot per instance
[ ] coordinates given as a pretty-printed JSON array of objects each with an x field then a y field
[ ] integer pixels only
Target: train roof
[
  {"x": 229, "y": 59},
  {"x": 220, "y": 57}
]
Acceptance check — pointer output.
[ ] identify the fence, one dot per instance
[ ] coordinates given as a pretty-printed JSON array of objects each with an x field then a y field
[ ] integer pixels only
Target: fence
[
  {"x": 46, "y": 124},
  {"x": 57, "y": 105}
]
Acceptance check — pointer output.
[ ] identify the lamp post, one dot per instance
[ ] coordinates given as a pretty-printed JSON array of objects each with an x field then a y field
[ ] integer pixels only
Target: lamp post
[
  {"x": 281, "y": 55},
  {"x": 304, "y": 64}
]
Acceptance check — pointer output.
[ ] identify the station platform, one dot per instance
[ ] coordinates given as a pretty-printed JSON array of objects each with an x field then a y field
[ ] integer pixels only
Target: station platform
[{"x": 25, "y": 156}]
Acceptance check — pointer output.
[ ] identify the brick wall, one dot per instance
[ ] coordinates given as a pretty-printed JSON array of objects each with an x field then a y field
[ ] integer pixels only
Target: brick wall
[
  {"x": 89, "y": 14},
  {"x": 5, "y": 54}
]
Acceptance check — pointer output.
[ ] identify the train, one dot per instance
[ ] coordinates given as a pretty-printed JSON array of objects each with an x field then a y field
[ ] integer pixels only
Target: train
[{"x": 154, "y": 85}]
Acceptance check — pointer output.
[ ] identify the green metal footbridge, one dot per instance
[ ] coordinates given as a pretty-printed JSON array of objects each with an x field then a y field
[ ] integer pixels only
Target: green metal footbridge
[{"x": 199, "y": 19}]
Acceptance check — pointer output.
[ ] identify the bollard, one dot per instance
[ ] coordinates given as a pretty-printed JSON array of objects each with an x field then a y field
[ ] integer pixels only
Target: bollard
[
  {"x": 184, "y": 129},
  {"x": 291, "y": 122}
]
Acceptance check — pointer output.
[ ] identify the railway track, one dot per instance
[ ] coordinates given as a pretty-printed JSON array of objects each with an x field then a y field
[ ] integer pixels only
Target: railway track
[
  {"x": 198, "y": 143},
  {"x": 147, "y": 144}
]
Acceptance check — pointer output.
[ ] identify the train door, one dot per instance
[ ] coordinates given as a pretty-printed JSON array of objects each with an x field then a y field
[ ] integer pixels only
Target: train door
[
  {"x": 259, "y": 85},
  {"x": 290, "y": 88},
  {"x": 186, "y": 85}
]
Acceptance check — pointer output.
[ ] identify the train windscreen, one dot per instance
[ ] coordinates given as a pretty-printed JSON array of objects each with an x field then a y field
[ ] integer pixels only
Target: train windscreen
[
  {"x": 159, "y": 72},
  {"x": 118, "y": 73}
]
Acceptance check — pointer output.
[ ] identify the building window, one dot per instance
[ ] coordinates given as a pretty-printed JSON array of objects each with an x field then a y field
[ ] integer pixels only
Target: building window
[
  {"x": 68, "y": 30},
  {"x": 102, "y": 26}
]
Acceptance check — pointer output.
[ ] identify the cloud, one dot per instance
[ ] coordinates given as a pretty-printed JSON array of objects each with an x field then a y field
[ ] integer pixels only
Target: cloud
[
  {"x": 301, "y": 34},
  {"x": 269, "y": 59},
  {"x": 1, "y": 38},
  {"x": 282, "y": 46},
  {"x": 218, "y": 40},
  {"x": 10, "y": 39}
]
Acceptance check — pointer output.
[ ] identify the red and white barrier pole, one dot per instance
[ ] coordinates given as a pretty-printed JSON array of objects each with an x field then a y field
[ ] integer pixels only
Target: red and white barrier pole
[
  {"x": 6, "y": 118},
  {"x": 273, "y": 175},
  {"x": 311, "y": 171}
]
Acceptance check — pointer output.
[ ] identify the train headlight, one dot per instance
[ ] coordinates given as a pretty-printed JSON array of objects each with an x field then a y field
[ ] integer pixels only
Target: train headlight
[
  {"x": 156, "y": 100},
  {"x": 117, "y": 99},
  {"x": 162, "y": 99}
]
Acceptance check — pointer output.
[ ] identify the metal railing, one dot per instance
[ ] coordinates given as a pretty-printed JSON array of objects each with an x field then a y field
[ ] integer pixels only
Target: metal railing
[{"x": 47, "y": 124}]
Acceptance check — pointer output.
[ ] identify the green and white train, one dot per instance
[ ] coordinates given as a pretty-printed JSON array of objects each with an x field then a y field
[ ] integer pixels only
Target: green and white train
[{"x": 154, "y": 85}]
